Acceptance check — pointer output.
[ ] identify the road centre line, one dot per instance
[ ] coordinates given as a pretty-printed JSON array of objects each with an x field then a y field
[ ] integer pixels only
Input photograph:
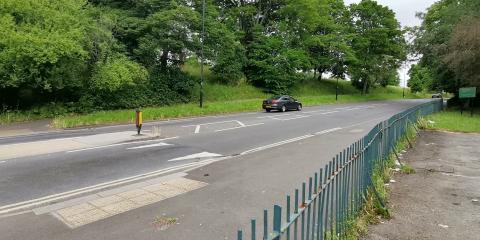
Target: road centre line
[
  {"x": 292, "y": 118},
  {"x": 244, "y": 126},
  {"x": 120, "y": 144},
  {"x": 289, "y": 141},
  {"x": 277, "y": 144},
  {"x": 329, "y": 112},
  {"x": 211, "y": 123},
  {"x": 60, "y": 196},
  {"x": 285, "y": 114},
  {"x": 328, "y": 131}
]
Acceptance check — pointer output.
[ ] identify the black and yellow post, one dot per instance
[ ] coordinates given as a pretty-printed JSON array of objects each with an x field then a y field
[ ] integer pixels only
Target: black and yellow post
[{"x": 138, "y": 120}]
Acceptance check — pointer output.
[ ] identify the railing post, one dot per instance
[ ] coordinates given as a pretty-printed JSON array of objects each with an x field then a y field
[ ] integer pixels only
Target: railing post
[
  {"x": 254, "y": 230},
  {"x": 277, "y": 221},
  {"x": 265, "y": 224}
]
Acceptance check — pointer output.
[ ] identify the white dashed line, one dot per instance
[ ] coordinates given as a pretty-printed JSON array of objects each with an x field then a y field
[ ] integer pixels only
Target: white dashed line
[
  {"x": 244, "y": 126},
  {"x": 150, "y": 146},
  {"x": 328, "y": 131},
  {"x": 120, "y": 144},
  {"x": 329, "y": 112}
]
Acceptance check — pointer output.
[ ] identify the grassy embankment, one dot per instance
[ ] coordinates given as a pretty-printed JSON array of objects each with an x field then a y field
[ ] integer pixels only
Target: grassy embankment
[
  {"x": 219, "y": 99},
  {"x": 452, "y": 120},
  {"x": 222, "y": 99}
]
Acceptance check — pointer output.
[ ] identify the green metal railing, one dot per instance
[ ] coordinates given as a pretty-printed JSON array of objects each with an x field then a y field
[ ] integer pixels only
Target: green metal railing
[{"x": 336, "y": 193}]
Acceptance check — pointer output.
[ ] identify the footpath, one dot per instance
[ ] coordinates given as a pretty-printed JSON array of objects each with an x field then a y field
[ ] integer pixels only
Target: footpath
[{"x": 441, "y": 199}]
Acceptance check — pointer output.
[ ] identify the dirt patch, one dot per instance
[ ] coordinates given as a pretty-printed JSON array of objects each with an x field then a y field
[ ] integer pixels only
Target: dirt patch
[{"x": 441, "y": 200}]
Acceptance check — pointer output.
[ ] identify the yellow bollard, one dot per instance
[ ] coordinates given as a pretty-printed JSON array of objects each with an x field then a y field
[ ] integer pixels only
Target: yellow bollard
[{"x": 138, "y": 120}]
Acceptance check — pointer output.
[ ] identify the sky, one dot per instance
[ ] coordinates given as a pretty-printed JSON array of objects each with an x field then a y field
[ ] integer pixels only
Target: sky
[{"x": 405, "y": 11}]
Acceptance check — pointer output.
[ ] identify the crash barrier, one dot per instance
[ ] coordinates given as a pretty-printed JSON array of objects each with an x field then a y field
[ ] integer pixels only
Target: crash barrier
[{"x": 324, "y": 207}]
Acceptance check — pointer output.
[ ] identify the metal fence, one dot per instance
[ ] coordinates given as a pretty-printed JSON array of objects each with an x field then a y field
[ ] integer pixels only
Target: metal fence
[{"x": 335, "y": 195}]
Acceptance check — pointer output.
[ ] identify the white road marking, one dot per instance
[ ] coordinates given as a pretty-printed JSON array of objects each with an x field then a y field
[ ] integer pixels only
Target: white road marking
[
  {"x": 3, "y": 161},
  {"x": 227, "y": 129},
  {"x": 284, "y": 114},
  {"x": 196, "y": 156},
  {"x": 96, "y": 209},
  {"x": 314, "y": 111},
  {"x": 329, "y": 112},
  {"x": 197, "y": 126},
  {"x": 60, "y": 196},
  {"x": 289, "y": 141},
  {"x": 277, "y": 144},
  {"x": 211, "y": 123},
  {"x": 120, "y": 144},
  {"x": 240, "y": 123},
  {"x": 292, "y": 118},
  {"x": 328, "y": 131},
  {"x": 360, "y": 123},
  {"x": 160, "y": 144}
]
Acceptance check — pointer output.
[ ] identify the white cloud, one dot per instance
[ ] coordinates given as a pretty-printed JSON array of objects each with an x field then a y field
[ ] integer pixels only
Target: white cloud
[{"x": 405, "y": 10}]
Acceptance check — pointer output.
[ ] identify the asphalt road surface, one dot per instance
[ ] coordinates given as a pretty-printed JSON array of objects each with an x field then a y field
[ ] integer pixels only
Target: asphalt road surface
[{"x": 230, "y": 168}]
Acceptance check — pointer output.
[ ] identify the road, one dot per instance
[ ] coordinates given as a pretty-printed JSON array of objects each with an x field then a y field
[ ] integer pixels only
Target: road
[{"x": 220, "y": 172}]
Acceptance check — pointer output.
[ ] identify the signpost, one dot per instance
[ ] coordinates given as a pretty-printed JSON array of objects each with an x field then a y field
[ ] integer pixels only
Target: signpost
[{"x": 469, "y": 93}]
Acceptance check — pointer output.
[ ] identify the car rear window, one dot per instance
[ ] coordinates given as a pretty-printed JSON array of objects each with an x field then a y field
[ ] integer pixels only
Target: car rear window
[{"x": 275, "y": 97}]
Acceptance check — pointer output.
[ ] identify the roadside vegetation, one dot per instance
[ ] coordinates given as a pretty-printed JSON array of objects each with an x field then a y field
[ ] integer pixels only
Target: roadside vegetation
[
  {"x": 376, "y": 207},
  {"x": 70, "y": 57},
  {"x": 447, "y": 45},
  {"x": 452, "y": 120}
]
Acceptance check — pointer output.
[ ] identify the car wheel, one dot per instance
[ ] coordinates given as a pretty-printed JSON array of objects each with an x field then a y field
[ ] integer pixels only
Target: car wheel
[
  {"x": 299, "y": 107},
  {"x": 268, "y": 110},
  {"x": 283, "y": 108}
]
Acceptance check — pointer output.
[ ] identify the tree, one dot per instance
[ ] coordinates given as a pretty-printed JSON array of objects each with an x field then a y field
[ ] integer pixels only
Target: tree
[
  {"x": 42, "y": 47},
  {"x": 420, "y": 78},
  {"x": 378, "y": 43},
  {"x": 439, "y": 41},
  {"x": 463, "y": 56}
]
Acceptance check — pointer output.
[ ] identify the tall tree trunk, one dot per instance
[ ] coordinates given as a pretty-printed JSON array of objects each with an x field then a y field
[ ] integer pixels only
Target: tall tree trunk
[
  {"x": 314, "y": 73},
  {"x": 365, "y": 85},
  {"x": 320, "y": 73}
]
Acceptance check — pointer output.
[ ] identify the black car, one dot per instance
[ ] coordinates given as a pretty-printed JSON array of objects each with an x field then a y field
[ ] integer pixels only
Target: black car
[
  {"x": 281, "y": 103},
  {"x": 437, "y": 95}
]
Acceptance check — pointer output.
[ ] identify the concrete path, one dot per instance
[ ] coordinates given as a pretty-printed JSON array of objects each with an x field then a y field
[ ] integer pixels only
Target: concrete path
[
  {"x": 442, "y": 199},
  {"x": 40, "y": 126}
]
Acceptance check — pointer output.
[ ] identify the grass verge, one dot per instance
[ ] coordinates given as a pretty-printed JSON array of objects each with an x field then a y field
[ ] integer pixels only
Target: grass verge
[
  {"x": 452, "y": 120},
  {"x": 220, "y": 99}
]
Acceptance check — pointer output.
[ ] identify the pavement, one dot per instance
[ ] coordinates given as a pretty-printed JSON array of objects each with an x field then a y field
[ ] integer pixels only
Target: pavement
[
  {"x": 26, "y": 128},
  {"x": 199, "y": 178},
  {"x": 442, "y": 199}
]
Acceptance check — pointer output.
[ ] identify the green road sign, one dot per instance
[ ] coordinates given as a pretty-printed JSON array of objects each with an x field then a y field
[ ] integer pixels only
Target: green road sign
[{"x": 469, "y": 92}]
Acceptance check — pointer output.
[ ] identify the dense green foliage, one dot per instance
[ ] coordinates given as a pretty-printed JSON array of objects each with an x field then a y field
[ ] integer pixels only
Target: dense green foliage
[
  {"x": 420, "y": 78},
  {"x": 90, "y": 55},
  {"x": 448, "y": 43}
]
